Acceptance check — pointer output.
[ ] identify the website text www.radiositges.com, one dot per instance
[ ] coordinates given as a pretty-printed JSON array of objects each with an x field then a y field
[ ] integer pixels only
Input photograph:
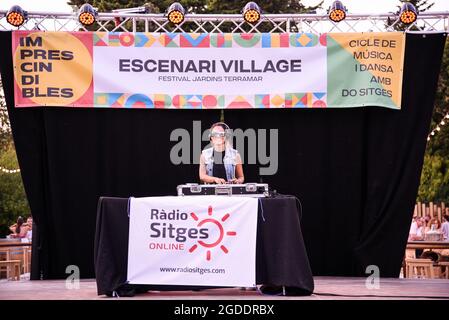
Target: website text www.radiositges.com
[{"x": 201, "y": 271}]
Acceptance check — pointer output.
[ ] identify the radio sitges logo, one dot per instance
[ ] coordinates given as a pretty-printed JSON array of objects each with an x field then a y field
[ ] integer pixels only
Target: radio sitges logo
[
  {"x": 220, "y": 235},
  {"x": 200, "y": 233}
]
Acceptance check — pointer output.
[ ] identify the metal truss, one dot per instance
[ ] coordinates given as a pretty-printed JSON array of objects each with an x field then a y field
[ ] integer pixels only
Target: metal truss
[{"x": 230, "y": 23}]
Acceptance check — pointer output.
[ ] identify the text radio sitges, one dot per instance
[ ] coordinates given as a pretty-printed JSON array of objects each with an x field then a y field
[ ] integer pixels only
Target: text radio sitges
[{"x": 167, "y": 230}]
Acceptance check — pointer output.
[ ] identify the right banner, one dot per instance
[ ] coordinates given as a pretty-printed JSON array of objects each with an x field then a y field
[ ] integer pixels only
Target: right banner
[{"x": 365, "y": 69}]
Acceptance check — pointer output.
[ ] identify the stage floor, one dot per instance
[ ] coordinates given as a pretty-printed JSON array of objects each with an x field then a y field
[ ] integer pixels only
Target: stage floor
[{"x": 326, "y": 288}]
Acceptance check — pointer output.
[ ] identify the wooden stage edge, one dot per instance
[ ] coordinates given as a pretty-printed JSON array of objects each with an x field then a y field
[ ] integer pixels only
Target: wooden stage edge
[{"x": 326, "y": 288}]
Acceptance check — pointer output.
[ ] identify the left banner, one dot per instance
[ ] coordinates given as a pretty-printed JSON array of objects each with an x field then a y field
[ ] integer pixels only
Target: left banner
[
  {"x": 208, "y": 71},
  {"x": 53, "y": 68}
]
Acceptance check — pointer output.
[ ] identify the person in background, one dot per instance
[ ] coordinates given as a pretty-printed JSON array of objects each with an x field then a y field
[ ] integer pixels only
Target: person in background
[
  {"x": 433, "y": 225},
  {"x": 413, "y": 226},
  {"x": 221, "y": 163},
  {"x": 19, "y": 229},
  {"x": 417, "y": 229},
  {"x": 427, "y": 219},
  {"x": 445, "y": 228},
  {"x": 411, "y": 253},
  {"x": 29, "y": 223},
  {"x": 417, "y": 233}
]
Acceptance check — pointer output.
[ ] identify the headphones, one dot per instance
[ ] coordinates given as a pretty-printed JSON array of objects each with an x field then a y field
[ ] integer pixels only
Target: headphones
[{"x": 226, "y": 128}]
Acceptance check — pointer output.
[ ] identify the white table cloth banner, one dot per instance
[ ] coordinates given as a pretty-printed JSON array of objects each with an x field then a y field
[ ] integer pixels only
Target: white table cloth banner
[{"x": 197, "y": 240}]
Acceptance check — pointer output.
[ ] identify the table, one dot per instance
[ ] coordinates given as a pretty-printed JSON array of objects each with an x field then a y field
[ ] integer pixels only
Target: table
[
  {"x": 431, "y": 245},
  {"x": 14, "y": 244},
  {"x": 428, "y": 245},
  {"x": 281, "y": 257},
  {"x": 14, "y": 249}
]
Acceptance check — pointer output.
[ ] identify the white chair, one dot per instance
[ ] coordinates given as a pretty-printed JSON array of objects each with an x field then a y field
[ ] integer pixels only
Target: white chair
[
  {"x": 444, "y": 269},
  {"x": 419, "y": 268},
  {"x": 12, "y": 268}
]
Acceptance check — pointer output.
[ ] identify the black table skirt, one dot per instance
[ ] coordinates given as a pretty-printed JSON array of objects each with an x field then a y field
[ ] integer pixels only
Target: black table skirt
[{"x": 281, "y": 257}]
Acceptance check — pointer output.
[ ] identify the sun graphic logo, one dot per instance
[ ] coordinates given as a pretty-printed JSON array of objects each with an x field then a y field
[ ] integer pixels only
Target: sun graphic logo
[{"x": 221, "y": 234}]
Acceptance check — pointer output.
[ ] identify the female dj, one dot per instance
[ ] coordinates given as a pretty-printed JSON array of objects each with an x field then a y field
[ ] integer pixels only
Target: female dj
[{"x": 221, "y": 163}]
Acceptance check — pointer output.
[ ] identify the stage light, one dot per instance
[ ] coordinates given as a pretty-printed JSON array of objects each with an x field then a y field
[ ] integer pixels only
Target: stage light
[
  {"x": 87, "y": 14},
  {"x": 337, "y": 11},
  {"x": 176, "y": 13},
  {"x": 408, "y": 13},
  {"x": 251, "y": 12},
  {"x": 16, "y": 16}
]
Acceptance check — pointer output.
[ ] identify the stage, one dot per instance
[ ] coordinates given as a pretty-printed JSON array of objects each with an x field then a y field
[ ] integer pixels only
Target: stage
[{"x": 326, "y": 288}]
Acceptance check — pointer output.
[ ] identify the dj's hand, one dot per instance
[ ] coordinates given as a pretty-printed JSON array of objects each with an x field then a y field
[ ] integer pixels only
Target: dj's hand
[{"x": 219, "y": 181}]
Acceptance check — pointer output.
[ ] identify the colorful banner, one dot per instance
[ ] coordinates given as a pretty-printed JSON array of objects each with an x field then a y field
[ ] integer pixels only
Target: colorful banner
[
  {"x": 193, "y": 240},
  {"x": 207, "y": 71}
]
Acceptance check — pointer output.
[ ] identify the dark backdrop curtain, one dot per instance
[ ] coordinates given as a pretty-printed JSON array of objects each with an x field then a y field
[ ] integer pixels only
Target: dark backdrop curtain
[{"x": 356, "y": 171}]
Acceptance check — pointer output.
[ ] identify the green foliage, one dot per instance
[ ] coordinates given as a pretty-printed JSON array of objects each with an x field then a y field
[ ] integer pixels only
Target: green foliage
[
  {"x": 108, "y": 5},
  {"x": 434, "y": 179},
  {"x": 435, "y": 173},
  {"x": 275, "y": 6},
  {"x": 200, "y": 6},
  {"x": 13, "y": 201},
  {"x": 434, "y": 184},
  {"x": 439, "y": 144},
  {"x": 420, "y": 5},
  {"x": 5, "y": 127}
]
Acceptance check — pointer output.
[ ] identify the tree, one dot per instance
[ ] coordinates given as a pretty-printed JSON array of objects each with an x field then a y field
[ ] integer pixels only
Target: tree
[
  {"x": 439, "y": 144},
  {"x": 275, "y": 6},
  {"x": 13, "y": 201},
  {"x": 5, "y": 127},
  {"x": 434, "y": 184},
  {"x": 434, "y": 179},
  {"x": 201, "y": 7},
  {"x": 155, "y": 6}
]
